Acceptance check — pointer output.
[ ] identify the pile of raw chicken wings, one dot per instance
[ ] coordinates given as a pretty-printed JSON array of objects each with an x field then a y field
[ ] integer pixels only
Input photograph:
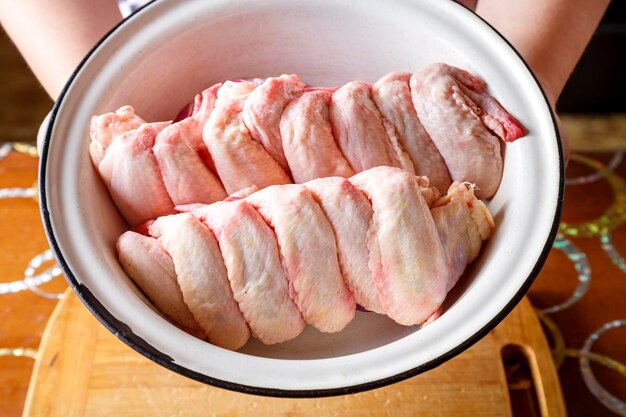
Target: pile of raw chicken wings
[{"x": 270, "y": 204}]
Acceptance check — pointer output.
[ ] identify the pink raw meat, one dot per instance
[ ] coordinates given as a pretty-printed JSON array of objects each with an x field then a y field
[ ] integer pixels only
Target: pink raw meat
[
  {"x": 130, "y": 171},
  {"x": 414, "y": 271},
  {"x": 183, "y": 160},
  {"x": 254, "y": 268},
  {"x": 239, "y": 160},
  {"x": 202, "y": 278},
  {"x": 204, "y": 103},
  {"x": 364, "y": 137},
  {"x": 309, "y": 255},
  {"x": 350, "y": 215},
  {"x": 108, "y": 126},
  {"x": 463, "y": 223},
  {"x": 393, "y": 98},
  {"x": 430, "y": 194},
  {"x": 262, "y": 112},
  {"x": 308, "y": 140},
  {"x": 243, "y": 193},
  {"x": 461, "y": 118},
  {"x": 146, "y": 262}
]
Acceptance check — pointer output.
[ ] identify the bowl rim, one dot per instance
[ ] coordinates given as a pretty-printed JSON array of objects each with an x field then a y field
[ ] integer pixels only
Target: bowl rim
[{"x": 125, "y": 334}]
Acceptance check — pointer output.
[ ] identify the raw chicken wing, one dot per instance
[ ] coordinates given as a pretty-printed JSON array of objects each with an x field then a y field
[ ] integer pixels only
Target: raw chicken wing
[
  {"x": 202, "y": 278},
  {"x": 350, "y": 215},
  {"x": 146, "y": 262},
  {"x": 463, "y": 223},
  {"x": 183, "y": 160},
  {"x": 309, "y": 255},
  {"x": 364, "y": 137},
  {"x": 204, "y": 103},
  {"x": 108, "y": 126},
  {"x": 393, "y": 98},
  {"x": 463, "y": 120},
  {"x": 255, "y": 272},
  {"x": 308, "y": 140},
  {"x": 130, "y": 171},
  {"x": 239, "y": 160},
  {"x": 262, "y": 111},
  {"x": 414, "y": 272}
]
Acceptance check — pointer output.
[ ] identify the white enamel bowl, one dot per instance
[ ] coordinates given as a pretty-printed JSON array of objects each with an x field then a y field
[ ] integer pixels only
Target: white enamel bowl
[{"x": 159, "y": 58}]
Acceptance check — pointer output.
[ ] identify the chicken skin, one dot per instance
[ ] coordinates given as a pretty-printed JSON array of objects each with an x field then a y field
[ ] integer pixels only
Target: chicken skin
[
  {"x": 184, "y": 163},
  {"x": 464, "y": 122},
  {"x": 106, "y": 127},
  {"x": 254, "y": 268},
  {"x": 350, "y": 214},
  {"x": 130, "y": 171},
  {"x": 364, "y": 137},
  {"x": 463, "y": 223},
  {"x": 309, "y": 255},
  {"x": 202, "y": 277},
  {"x": 263, "y": 109},
  {"x": 240, "y": 161},
  {"x": 414, "y": 272},
  {"x": 308, "y": 141},
  {"x": 146, "y": 262},
  {"x": 204, "y": 103},
  {"x": 392, "y": 96}
]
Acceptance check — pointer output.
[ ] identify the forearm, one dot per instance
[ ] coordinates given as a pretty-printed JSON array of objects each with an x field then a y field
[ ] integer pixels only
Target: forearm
[
  {"x": 551, "y": 35},
  {"x": 54, "y": 35}
]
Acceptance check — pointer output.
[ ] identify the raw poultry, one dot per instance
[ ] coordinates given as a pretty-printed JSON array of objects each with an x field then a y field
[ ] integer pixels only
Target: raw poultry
[
  {"x": 240, "y": 161},
  {"x": 267, "y": 263},
  {"x": 202, "y": 278},
  {"x": 253, "y": 264},
  {"x": 186, "y": 166},
  {"x": 412, "y": 271},
  {"x": 130, "y": 171},
  {"x": 307, "y": 136},
  {"x": 227, "y": 247},
  {"x": 262, "y": 112},
  {"x": 465, "y": 123},
  {"x": 439, "y": 122},
  {"x": 363, "y": 135},
  {"x": 392, "y": 95}
]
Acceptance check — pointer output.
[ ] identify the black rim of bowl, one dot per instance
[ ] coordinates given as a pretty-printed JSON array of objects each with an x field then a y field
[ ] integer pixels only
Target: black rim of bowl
[{"x": 123, "y": 332}]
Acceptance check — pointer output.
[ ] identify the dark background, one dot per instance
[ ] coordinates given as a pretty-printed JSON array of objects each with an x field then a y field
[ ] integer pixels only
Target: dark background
[{"x": 598, "y": 84}]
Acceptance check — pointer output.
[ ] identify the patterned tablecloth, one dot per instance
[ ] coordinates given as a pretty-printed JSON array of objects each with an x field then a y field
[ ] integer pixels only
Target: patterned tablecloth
[{"x": 580, "y": 294}]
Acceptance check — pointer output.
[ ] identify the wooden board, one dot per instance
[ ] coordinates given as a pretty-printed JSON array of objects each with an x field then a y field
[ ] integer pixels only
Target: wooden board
[{"x": 83, "y": 370}]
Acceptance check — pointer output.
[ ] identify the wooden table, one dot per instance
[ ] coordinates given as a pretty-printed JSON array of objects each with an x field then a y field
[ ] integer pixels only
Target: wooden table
[
  {"x": 25, "y": 314},
  {"x": 83, "y": 370}
]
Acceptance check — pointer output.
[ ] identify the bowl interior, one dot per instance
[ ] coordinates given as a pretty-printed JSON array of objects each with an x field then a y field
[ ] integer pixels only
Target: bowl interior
[{"x": 158, "y": 59}]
